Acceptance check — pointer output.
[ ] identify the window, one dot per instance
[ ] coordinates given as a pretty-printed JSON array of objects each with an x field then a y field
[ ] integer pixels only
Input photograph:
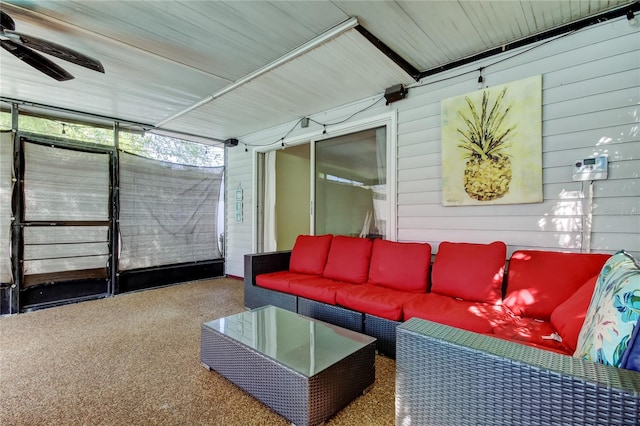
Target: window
[
  {"x": 60, "y": 129},
  {"x": 171, "y": 150}
]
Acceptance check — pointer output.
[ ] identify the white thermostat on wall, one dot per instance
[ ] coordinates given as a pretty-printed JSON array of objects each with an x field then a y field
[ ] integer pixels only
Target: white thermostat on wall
[{"x": 590, "y": 168}]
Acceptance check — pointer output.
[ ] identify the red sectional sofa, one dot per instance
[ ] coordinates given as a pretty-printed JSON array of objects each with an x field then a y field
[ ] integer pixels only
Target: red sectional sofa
[
  {"x": 372, "y": 286},
  {"x": 480, "y": 339}
]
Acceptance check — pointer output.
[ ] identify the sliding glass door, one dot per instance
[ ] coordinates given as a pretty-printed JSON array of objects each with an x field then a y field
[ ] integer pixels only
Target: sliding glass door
[
  {"x": 351, "y": 184},
  {"x": 283, "y": 197},
  {"x": 341, "y": 185}
]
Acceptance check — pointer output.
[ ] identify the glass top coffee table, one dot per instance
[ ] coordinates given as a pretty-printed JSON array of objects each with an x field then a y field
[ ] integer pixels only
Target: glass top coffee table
[{"x": 305, "y": 370}]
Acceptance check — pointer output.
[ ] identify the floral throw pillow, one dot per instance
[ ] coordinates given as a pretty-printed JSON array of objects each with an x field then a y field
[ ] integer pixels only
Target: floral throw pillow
[{"x": 613, "y": 313}]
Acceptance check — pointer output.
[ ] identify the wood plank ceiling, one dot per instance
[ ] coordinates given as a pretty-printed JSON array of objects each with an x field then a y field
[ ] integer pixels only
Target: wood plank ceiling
[{"x": 176, "y": 65}]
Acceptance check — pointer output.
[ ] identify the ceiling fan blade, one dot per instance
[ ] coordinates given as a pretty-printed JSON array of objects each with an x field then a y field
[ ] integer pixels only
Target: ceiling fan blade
[
  {"x": 6, "y": 21},
  {"x": 36, "y": 60},
  {"x": 56, "y": 50}
]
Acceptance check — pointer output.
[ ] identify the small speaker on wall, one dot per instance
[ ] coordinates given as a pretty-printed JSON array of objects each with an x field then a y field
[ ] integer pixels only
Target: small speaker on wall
[
  {"x": 231, "y": 142},
  {"x": 395, "y": 93}
]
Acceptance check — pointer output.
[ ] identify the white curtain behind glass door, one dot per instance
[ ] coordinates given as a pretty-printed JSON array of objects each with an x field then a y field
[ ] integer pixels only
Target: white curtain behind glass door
[{"x": 270, "y": 231}]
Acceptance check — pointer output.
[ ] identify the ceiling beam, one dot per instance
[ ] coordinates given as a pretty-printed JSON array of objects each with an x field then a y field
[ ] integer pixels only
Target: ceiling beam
[
  {"x": 554, "y": 32},
  {"x": 390, "y": 53}
]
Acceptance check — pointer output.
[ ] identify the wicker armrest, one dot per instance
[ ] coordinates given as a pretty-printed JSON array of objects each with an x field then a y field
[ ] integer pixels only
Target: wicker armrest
[
  {"x": 262, "y": 263},
  {"x": 450, "y": 376}
]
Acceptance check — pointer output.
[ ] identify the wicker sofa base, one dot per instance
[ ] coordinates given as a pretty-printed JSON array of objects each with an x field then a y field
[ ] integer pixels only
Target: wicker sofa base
[
  {"x": 262, "y": 296},
  {"x": 384, "y": 330},
  {"x": 332, "y": 314},
  {"x": 300, "y": 399},
  {"x": 445, "y": 375}
]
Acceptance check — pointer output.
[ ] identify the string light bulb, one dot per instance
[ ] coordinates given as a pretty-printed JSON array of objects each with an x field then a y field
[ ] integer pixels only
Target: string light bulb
[
  {"x": 480, "y": 79},
  {"x": 631, "y": 18},
  {"x": 63, "y": 129}
]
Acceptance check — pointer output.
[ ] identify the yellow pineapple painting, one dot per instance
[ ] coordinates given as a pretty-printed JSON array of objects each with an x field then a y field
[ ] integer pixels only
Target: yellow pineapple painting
[
  {"x": 492, "y": 145},
  {"x": 487, "y": 173}
]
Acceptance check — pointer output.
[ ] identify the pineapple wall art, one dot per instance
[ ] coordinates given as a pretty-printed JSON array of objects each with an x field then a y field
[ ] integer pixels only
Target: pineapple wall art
[{"x": 492, "y": 145}]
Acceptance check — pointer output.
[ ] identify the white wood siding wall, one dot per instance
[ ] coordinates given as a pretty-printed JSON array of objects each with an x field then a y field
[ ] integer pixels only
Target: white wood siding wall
[{"x": 591, "y": 106}]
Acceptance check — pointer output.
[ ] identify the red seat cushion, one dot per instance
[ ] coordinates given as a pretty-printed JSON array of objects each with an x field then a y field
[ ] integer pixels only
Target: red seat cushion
[
  {"x": 319, "y": 289},
  {"x": 531, "y": 332},
  {"x": 539, "y": 281},
  {"x": 470, "y": 271},
  {"x": 558, "y": 348},
  {"x": 279, "y": 280},
  {"x": 568, "y": 317},
  {"x": 374, "y": 300},
  {"x": 348, "y": 259},
  {"x": 309, "y": 254},
  {"x": 471, "y": 316},
  {"x": 400, "y": 266}
]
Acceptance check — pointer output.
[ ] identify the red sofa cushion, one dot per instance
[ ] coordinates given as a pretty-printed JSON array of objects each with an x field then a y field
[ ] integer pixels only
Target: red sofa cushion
[
  {"x": 531, "y": 332},
  {"x": 539, "y": 281},
  {"x": 309, "y": 254},
  {"x": 318, "y": 288},
  {"x": 569, "y": 316},
  {"x": 470, "y": 271},
  {"x": 471, "y": 316},
  {"x": 348, "y": 259},
  {"x": 279, "y": 280},
  {"x": 374, "y": 300},
  {"x": 400, "y": 266}
]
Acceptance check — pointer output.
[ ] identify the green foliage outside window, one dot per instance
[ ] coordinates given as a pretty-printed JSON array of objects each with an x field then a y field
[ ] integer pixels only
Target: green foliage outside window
[
  {"x": 60, "y": 129},
  {"x": 157, "y": 147},
  {"x": 171, "y": 150},
  {"x": 5, "y": 120}
]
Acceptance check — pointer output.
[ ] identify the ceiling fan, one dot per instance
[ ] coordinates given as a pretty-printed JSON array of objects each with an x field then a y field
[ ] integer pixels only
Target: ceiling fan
[{"x": 21, "y": 45}]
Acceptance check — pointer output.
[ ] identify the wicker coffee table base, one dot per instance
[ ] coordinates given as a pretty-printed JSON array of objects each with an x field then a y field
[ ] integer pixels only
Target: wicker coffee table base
[{"x": 302, "y": 400}]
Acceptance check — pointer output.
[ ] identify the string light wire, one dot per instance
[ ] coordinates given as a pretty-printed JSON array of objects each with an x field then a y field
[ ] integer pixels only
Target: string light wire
[
  {"x": 281, "y": 139},
  {"x": 414, "y": 86}
]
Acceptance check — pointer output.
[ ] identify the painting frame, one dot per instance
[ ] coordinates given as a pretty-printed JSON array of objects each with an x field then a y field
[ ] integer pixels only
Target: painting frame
[{"x": 492, "y": 145}]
